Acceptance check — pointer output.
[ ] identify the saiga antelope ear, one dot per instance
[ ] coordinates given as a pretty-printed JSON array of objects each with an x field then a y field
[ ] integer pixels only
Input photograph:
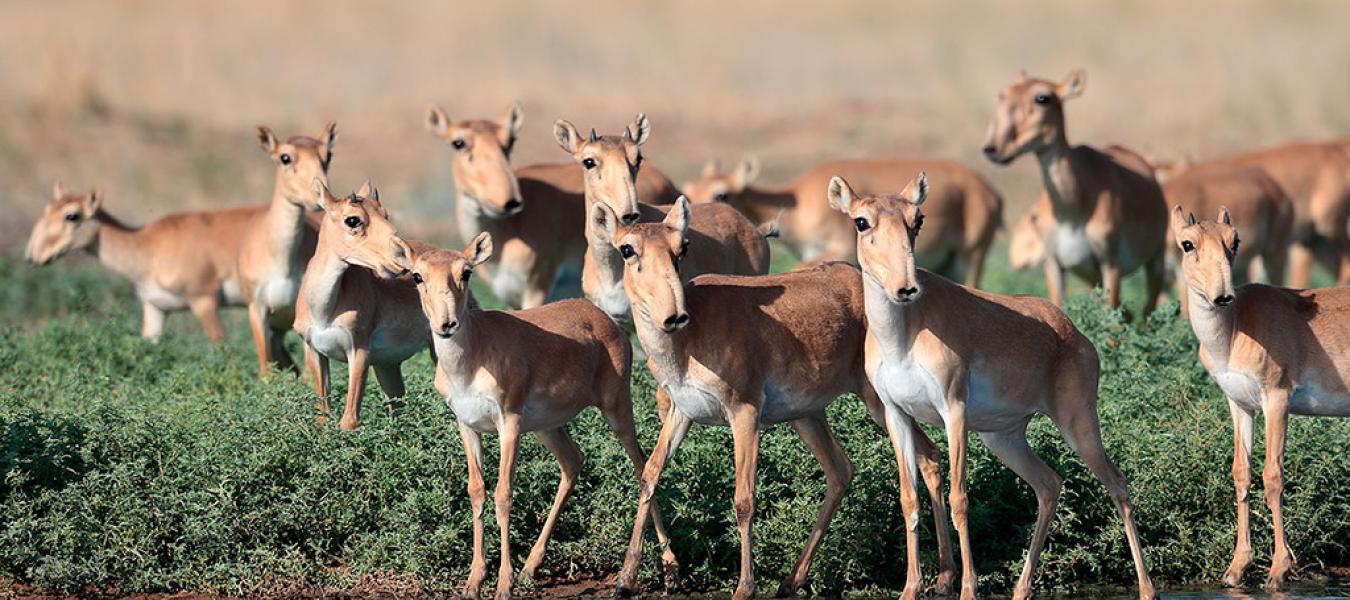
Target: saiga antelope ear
[
  {"x": 1178, "y": 222},
  {"x": 678, "y": 217},
  {"x": 746, "y": 172},
  {"x": 438, "y": 123},
  {"x": 840, "y": 194},
  {"x": 602, "y": 223},
  {"x": 710, "y": 169},
  {"x": 510, "y": 124},
  {"x": 367, "y": 191},
  {"x": 917, "y": 190},
  {"x": 267, "y": 139},
  {"x": 566, "y": 135},
  {"x": 1224, "y": 217},
  {"x": 322, "y": 196},
  {"x": 1073, "y": 85},
  {"x": 94, "y": 203},
  {"x": 58, "y": 190},
  {"x": 403, "y": 253},
  {"x": 479, "y": 250},
  {"x": 327, "y": 140},
  {"x": 639, "y": 130}
]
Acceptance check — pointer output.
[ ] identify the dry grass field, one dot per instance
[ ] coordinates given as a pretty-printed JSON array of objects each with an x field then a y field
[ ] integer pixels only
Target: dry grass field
[{"x": 156, "y": 101}]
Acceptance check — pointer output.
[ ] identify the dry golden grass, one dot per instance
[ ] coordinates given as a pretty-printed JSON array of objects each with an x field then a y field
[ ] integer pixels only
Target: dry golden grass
[{"x": 155, "y": 101}]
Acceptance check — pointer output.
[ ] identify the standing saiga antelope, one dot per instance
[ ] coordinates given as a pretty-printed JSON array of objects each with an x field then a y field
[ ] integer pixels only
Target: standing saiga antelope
[
  {"x": 748, "y": 352},
  {"x": 966, "y": 211},
  {"x": 1110, "y": 217},
  {"x": 722, "y": 240},
  {"x": 183, "y": 260},
  {"x": 530, "y": 211},
  {"x": 1316, "y": 176},
  {"x": 938, "y": 352},
  {"x": 515, "y": 372},
  {"x": 280, "y": 241},
  {"x": 1274, "y": 350},
  {"x": 354, "y": 304}
]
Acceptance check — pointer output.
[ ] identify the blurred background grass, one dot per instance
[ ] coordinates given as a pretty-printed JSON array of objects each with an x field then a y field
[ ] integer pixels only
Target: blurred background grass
[{"x": 156, "y": 101}]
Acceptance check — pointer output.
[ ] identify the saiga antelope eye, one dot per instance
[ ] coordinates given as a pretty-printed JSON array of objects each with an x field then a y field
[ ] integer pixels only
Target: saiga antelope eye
[
  {"x": 589, "y": 163},
  {"x": 417, "y": 278},
  {"x": 285, "y": 159},
  {"x": 458, "y": 144},
  {"x": 73, "y": 217},
  {"x": 720, "y": 197},
  {"x": 352, "y": 222},
  {"x": 861, "y": 224},
  {"x": 627, "y": 251},
  {"x": 1187, "y": 247},
  {"x": 1042, "y": 99}
]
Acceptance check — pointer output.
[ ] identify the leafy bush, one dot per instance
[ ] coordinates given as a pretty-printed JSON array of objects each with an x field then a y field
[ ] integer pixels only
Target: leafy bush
[{"x": 169, "y": 466}]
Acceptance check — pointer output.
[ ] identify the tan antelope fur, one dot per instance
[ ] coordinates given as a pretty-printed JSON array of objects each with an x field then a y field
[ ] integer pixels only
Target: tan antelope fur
[
  {"x": 1316, "y": 176},
  {"x": 966, "y": 210},
  {"x": 937, "y": 352},
  {"x": 514, "y": 372},
  {"x": 529, "y": 211},
  {"x": 1110, "y": 214},
  {"x": 722, "y": 239},
  {"x": 182, "y": 260},
  {"x": 1274, "y": 350},
  {"x": 747, "y": 352},
  {"x": 279, "y": 242},
  {"x": 354, "y": 304}
]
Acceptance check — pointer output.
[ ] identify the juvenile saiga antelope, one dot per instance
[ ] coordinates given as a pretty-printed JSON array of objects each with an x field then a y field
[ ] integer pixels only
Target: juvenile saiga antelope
[
  {"x": 355, "y": 304},
  {"x": 938, "y": 352},
  {"x": 182, "y": 260},
  {"x": 966, "y": 211},
  {"x": 531, "y": 211},
  {"x": 722, "y": 240},
  {"x": 1274, "y": 350},
  {"x": 515, "y": 372},
  {"x": 1110, "y": 217},
  {"x": 748, "y": 352},
  {"x": 279, "y": 241}
]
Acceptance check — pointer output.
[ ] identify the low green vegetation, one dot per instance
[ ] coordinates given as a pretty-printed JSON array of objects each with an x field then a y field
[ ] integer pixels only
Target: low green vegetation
[{"x": 168, "y": 466}]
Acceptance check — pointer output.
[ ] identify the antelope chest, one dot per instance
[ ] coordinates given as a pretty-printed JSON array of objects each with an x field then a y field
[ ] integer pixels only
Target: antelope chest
[
  {"x": 479, "y": 411},
  {"x": 1071, "y": 246},
  {"x": 389, "y": 346},
  {"x": 783, "y": 404},
  {"x": 279, "y": 291},
  {"x": 910, "y": 387},
  {"x": 508, "y": 282},
  {"x": 159, "y": 297},
  {"x": 614, "y": 301},
  {"x": 330, "y": 340},
  {"x": 701, "y": 406}
]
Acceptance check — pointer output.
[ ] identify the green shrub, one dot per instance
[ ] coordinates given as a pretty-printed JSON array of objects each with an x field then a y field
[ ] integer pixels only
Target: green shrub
[{"x": 169, "y": 466}]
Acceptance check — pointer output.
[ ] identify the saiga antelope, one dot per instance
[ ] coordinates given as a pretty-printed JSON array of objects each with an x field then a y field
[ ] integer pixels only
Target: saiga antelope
[
  {"x": 938, "y": 352},
  {"x": 748, "y": 352},
  {"x": 722, "y": 239},
  {"x": 354, "y": 305},
  {"x": 518, "y": 372},
  {"x": 1109, "y": 210},
  {"x": 529, "y": 211},
  {"x": 1266, "y": 215},
  {"x": 1274, "y": 350},
  {"x": 279, "y": 241},
  {"x": 183, "y": 260},
  {"x": 966, "y": 210},
  {"x": 1265, "y": 212},
  {"x": 1316, "y": 176}
]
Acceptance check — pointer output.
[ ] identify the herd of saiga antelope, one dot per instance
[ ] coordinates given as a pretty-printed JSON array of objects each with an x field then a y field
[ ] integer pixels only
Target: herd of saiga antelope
[{"x": 733, "y": 346}]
